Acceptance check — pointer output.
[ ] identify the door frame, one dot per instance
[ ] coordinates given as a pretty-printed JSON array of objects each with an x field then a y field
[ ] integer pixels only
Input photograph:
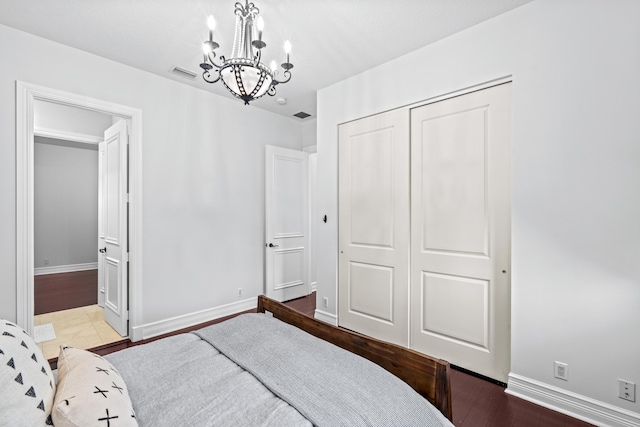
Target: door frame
[
  {"x": 26, "y": 96},
  {"x": 312, "y": 196}
]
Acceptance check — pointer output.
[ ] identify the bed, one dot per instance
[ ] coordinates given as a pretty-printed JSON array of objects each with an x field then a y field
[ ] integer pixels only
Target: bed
[{"x": 267, "y": 368}]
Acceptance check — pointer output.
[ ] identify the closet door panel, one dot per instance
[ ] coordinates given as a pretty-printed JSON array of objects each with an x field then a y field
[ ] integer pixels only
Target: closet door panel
[
  {"x": 373, "y": 227},
  {"x": 371, "y": 290},
  {"x": 460, "y": 227},
  {"x": 446, "y": 314},
  {"x": 371, "y": 176},
  {"x": 454, "y": 196}
]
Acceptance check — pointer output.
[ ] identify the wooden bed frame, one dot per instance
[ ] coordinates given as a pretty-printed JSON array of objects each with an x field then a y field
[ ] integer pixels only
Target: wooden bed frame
[{"x": 428, "y": 376}]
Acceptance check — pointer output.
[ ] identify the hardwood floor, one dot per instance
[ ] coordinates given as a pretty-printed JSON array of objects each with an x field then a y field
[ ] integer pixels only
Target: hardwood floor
[
  {"x": 480, "y": 403},
  {"x": 62, "y": 291},
  {"x": 476, "y": 402}
]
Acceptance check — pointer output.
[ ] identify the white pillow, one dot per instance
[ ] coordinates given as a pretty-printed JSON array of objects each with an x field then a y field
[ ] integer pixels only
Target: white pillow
[
  {"x": 27, "y": 385},
  {"x": 90, "y": 392}
]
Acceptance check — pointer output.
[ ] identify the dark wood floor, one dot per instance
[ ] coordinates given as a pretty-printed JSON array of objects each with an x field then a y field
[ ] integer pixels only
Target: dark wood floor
[
  {"x": 476, "y": 402},
  {"x": 480, "y": 403},
  {"x": 62, "y": 291}
]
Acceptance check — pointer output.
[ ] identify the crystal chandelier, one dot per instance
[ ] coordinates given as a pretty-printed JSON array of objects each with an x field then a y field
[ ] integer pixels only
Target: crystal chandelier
[{"x": 243, "y": 74}]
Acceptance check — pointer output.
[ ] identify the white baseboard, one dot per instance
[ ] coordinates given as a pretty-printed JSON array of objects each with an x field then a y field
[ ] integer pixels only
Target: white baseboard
[
  {"x": 55, "y": 269},
  {"x": 153, "y": 329},
  {"x": 572, "y": 404},
  {"x": 326, "y": 317}
]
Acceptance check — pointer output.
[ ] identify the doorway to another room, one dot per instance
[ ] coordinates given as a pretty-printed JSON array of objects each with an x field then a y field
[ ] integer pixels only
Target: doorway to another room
[
  {"x": 76, "y": 208},
  {"x": 68, "y": 301}
]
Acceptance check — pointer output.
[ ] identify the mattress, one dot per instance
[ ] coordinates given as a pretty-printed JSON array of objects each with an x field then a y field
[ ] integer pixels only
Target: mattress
[{"x": 256, "y": 370}]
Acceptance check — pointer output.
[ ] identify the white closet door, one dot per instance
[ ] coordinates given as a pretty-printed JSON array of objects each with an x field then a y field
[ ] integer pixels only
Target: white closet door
[
  {"x": 460, "y": 225},
  {"x": 374, "y": 226}
]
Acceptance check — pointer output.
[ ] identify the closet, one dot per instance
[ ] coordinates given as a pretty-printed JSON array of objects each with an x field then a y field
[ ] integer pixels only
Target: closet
[{"x": 424, "y": 229}]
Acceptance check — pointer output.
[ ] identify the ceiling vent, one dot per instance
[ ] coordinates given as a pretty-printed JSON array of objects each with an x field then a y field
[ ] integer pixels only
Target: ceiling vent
[
  {"x": 302, "y": 115},
  {"x": 185, "y": 74}
]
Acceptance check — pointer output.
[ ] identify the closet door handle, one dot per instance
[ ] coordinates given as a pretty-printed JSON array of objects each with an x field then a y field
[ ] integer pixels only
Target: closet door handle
[
  {"x": 103, "y": 250},
  {"x": 271, "y": 245}
]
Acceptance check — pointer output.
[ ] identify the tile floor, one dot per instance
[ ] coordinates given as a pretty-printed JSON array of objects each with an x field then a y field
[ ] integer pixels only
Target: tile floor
[{"x": 82, "y": 327}]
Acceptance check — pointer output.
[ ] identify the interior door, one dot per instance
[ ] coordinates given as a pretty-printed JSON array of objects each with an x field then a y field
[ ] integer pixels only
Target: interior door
[
  {"x": 460, "y": 224},
  {"x": 112, "y": 227},
  {"x": 286, "y": 223},
  {"x": 373, "y": 229}
]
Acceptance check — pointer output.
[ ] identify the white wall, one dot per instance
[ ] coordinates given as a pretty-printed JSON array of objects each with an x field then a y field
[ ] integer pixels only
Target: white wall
[
  {"x": 62, "y": 118},
  {"x": 576, "y": 169},
  {"x": 202, "y": 176},
  {"x": 65, "y": 203},
  {"x": 309, "y": 132}
]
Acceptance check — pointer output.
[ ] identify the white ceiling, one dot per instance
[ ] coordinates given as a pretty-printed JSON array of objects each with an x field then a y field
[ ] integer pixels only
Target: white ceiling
[{"x": 332, "y": 39}]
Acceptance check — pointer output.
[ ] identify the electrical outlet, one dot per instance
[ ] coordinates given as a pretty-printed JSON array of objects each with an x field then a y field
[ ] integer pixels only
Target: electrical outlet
[
  {"x": 561, "y": 371},
  {"x": 239, "y": 292},
  {"x": 627, "y": 390},
  {"x": 325, "y": 302},
  {"x": 46, "y": 261}
]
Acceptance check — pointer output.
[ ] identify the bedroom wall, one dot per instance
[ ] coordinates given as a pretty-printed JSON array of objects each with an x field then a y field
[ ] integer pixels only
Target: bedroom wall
[
  {"x": 62, "y": 118},
  {"x": 309, "y": 132},
  {"x": 202, "y": 176},
  {"x": 65, "y": 203},
  {"x": 576, "y": 169}
]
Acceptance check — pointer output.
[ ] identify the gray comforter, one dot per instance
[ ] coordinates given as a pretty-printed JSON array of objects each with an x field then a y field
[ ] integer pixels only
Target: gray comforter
[{"x": 253, "y": 370}]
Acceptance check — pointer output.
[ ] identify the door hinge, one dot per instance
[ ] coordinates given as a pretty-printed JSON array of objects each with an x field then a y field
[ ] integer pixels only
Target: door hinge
[
  {"x": 128, "y": 198},
  {"x": 125, "y": 315},
  {"x": 125, "y": 257}
]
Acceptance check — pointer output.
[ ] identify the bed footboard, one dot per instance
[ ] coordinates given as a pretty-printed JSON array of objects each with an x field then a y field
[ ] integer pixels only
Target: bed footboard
[{"x": 428, "y": 376}]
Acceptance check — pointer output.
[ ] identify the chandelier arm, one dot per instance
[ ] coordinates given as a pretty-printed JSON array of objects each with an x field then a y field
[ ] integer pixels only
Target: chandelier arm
[
  {"x": 272, "y": 90},
  {"x": 208, "y": 78},
  {"x": 211, "y": 57},
  {"x": 286, "y": 74}
]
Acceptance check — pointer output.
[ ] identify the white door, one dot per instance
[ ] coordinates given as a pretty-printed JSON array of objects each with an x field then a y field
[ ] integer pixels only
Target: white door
[
  {"x": 460, "y": 225},
  {"x": 112, "y": 227},
  {"x": 373, "y": 226},
  {"x": 286, "y": 223}
]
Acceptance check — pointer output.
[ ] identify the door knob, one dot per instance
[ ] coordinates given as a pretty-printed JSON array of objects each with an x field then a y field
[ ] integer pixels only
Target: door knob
[
  {"x": 103, "y": 250},
  {"x": 271, "y": 245}
]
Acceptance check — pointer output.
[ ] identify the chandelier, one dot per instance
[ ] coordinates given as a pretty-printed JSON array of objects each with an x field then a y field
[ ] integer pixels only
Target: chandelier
[{"x": 243, "y": 74}]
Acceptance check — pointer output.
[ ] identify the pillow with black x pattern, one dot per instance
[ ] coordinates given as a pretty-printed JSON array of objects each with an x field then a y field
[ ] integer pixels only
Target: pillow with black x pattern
[{"x": 90, "y": 392}]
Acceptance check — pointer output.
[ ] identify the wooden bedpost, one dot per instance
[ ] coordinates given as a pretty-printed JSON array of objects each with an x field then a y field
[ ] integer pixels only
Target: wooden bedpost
[
  {"x": 260, "y": 308},
  {"x": 443, "y": 390}
]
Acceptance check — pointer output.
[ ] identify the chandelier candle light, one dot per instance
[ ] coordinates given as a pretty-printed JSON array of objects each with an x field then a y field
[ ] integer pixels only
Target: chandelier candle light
[{"x": 243, "y": 74}]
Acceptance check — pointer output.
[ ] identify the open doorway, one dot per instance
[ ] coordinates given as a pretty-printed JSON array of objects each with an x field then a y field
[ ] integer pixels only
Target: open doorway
[
  {"x": 28, "y": 129},
  {"x": 68, "y": 301}
]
